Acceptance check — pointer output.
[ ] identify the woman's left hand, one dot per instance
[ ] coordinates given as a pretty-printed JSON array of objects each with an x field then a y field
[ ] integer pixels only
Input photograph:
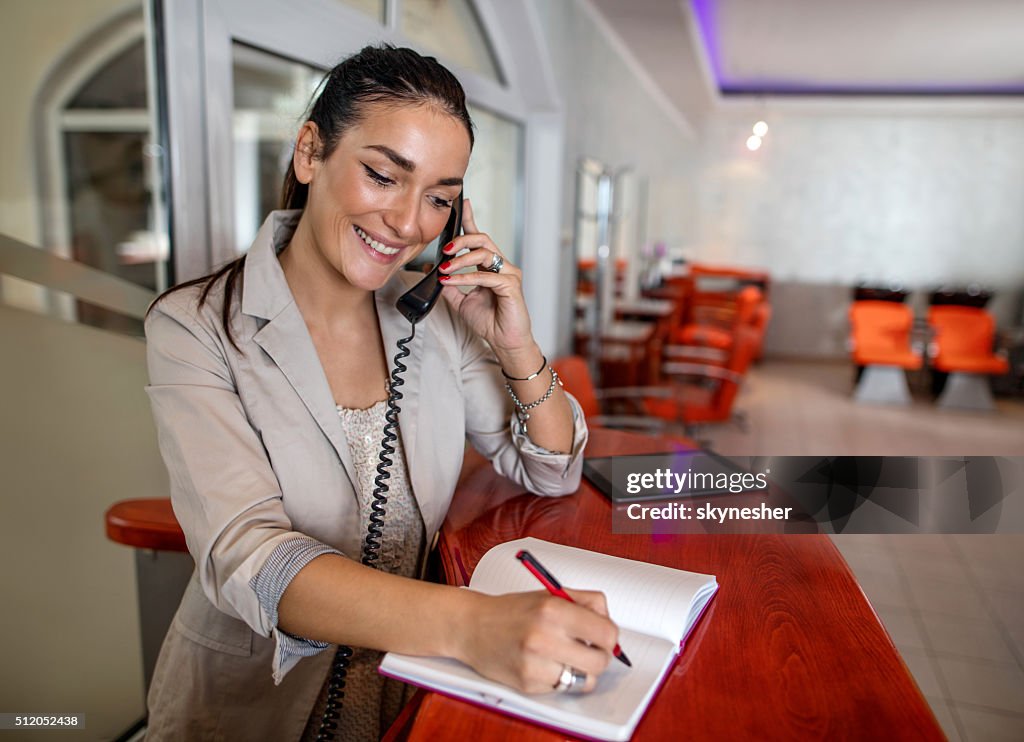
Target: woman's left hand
[{"x": 495, "y": 309}]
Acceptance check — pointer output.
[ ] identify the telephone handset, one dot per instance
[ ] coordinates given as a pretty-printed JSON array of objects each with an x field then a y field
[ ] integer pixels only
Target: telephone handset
[{"x": 415, "y": 303}]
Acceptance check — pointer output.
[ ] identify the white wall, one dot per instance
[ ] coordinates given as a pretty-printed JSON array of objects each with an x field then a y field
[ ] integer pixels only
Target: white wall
[
  {"x": 611, "y": 115},
  {"x": 840, "y": 196}
]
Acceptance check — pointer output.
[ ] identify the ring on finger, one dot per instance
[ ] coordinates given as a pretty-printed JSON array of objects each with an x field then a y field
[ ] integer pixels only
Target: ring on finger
[
  {"x": 496, "y": 263},
  {"x": 564, "y": 680},
  {"x": 579, "y": 679},
  {"x": 570, "y": 680}
]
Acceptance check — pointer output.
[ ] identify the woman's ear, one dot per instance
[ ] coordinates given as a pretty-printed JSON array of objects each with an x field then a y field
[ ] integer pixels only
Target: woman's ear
[{"x": 306, "y": 157}]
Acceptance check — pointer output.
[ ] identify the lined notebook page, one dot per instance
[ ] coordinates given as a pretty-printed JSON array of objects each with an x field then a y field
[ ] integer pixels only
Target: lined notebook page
[{"x": 648, "y": 598}]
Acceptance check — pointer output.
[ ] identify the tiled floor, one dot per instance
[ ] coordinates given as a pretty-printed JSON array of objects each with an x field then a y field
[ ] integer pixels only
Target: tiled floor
[{"x": 953, "y": 604}]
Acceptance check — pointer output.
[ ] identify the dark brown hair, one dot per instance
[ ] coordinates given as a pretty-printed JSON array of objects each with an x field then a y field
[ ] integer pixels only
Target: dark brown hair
[{"x": 377, "y": 74}]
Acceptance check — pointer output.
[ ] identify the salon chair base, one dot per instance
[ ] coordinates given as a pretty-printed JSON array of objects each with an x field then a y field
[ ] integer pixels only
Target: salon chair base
[
  {"x": 883, "y": 385},
  {"x": 967, "y": 392}
]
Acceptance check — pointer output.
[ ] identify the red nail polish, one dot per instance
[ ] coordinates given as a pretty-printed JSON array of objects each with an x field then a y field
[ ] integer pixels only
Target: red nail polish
[
  {"x": 448, "y": 247},
  {"x": 445, "y": 265},
  {"x": 444, "y": 279}
]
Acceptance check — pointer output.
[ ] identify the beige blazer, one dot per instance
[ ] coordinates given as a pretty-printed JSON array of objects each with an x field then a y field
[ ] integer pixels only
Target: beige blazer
[{"x": 256, "y": 454}]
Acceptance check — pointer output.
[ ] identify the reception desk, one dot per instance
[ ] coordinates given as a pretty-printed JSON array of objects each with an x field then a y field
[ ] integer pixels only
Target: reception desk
[{"x": 789, "y": 649}]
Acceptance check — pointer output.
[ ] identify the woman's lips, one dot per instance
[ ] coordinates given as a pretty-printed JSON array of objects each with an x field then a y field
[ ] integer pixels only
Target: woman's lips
[{"x": 378, "y": 245}]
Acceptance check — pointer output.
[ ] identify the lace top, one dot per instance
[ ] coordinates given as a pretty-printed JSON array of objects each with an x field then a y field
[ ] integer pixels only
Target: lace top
[
  {"x": 403, "y": 527},
  {"x": 372, "y": 702}
]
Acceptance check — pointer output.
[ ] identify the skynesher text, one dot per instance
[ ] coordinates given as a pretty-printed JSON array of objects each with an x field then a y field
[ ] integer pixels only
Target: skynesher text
[{"x": 682, "y": 511}]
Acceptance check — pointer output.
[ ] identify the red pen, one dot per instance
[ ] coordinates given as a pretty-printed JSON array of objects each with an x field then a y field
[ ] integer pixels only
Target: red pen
[{"x": 555, "y": 588}]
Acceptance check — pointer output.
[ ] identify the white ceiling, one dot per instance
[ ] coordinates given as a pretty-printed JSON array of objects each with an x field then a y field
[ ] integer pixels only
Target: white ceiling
[{"x": 816, "y": 46}]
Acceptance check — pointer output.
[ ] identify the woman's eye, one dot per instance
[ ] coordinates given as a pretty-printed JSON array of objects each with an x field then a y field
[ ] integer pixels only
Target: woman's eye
[
  {"x": 376, "y": 177},
  {"x": 441, "y": 203}
]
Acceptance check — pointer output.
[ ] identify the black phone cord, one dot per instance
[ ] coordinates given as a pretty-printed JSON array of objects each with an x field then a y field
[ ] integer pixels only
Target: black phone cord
[{"x": 371, "y": 545}]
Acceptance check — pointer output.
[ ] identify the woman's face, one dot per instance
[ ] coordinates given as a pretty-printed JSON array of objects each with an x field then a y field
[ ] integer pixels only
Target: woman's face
[{"x": 385, "y": 191}]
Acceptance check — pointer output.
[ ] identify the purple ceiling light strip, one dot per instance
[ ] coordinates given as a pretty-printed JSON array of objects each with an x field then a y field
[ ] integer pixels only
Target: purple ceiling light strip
[
  {"x": 790, "y": 88},
  {"x": 705, "y": 12}
]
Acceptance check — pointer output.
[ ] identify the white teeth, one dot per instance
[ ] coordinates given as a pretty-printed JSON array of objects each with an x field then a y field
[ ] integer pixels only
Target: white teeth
[{"x": 384, "y": 249}]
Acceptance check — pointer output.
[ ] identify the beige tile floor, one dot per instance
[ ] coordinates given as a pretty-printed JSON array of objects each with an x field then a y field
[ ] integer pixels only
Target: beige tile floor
[{"x": 953, "y": 604}]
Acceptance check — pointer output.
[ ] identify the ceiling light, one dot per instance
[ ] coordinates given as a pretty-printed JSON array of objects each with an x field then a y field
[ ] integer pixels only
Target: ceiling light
[
  {"x": 760, "y": 128},
  {"x": 753, "y": 142}
]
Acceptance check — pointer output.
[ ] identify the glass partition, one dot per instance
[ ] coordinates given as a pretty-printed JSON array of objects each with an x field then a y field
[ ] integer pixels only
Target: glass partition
[{"x": 271, "y": 94}]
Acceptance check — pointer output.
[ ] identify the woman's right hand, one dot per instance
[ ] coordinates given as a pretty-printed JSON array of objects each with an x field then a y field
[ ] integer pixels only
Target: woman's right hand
[{"x": 525, "y": 639}]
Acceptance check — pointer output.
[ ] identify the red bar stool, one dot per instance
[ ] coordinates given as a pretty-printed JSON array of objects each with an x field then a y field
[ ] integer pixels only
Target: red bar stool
[
  {"x": 163, "y": 566},
  {"x": 145, "y": 524}
]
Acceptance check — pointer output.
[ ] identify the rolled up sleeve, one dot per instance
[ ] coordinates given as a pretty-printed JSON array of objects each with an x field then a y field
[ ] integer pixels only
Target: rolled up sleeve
[{"x": 271, "y": 581}]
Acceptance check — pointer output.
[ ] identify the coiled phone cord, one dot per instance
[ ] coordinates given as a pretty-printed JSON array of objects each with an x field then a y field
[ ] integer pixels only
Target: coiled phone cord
[
  {"x": 371, "y": 545},
  {"x": 335, "y": 695}
]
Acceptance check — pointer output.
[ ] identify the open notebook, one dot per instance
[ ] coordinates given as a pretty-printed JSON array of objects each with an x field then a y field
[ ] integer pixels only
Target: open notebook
[{"x": 654, "y": 606}]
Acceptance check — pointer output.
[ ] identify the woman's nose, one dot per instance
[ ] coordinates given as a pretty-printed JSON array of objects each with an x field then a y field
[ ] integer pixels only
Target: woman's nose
[{"x": 403, "y": 217}]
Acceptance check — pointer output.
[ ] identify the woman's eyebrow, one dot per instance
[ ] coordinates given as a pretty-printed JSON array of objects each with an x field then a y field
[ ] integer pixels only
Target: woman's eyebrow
[
  {"x": 403, "y": 162},
  {"x": 406, "y": 164}
]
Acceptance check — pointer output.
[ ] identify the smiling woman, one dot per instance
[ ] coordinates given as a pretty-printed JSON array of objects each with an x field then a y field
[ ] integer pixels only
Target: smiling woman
[
  {"x": 268, "y": 382},
  {"x": 382, "y": 195}
]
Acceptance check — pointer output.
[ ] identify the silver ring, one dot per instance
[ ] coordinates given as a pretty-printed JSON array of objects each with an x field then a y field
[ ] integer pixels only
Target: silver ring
[
  {"x": 571, "y": 680},
  {"x": 579, "y": 679},
  {"x": 496, "y": 263},
  {"x": 564, "y": 680}
]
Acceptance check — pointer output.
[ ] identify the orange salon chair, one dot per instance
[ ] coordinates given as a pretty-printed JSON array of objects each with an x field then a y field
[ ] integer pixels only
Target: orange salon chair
[
  {"x": 961, "y": 346},
  {"x": 710, "y": 343},
  {"x": 719, "y": 332},
  {"x": 698, "y": 394},
  {"x": 703, "y": 393},
  {"x": 880, "y": 342},
  {"x": 574, "y": 373}
]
